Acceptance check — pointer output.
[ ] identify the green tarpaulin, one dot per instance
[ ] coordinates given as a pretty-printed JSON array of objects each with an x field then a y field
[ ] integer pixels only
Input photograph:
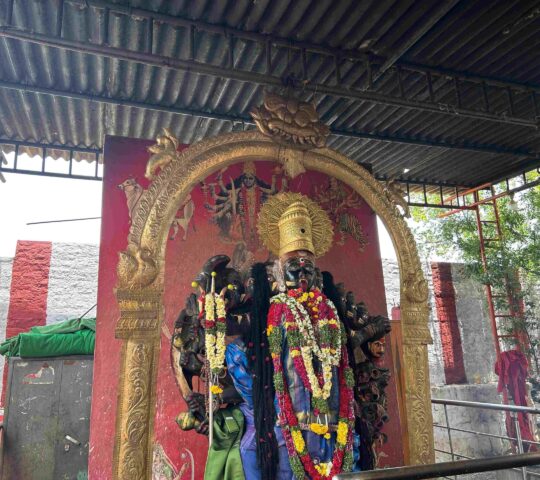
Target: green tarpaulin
[{"x": 72, "y": 337}]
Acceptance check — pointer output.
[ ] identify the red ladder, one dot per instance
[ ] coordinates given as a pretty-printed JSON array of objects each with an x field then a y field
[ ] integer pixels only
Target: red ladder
[{"x": 503, "y": 306}]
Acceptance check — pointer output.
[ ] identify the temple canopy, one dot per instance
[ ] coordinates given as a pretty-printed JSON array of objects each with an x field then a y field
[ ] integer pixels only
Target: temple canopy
[{"x": 442, "y": 93}]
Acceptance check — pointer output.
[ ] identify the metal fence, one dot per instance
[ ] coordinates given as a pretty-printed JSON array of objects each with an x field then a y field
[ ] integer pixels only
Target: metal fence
[{"x": 518, "y": 444}]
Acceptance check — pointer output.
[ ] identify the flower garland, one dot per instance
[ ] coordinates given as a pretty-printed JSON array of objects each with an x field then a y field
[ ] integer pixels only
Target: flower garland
[
  {"x": 304, "y": 313},
  {"x": 214, "y": 305},
  {"x": 282, "y": 312}
]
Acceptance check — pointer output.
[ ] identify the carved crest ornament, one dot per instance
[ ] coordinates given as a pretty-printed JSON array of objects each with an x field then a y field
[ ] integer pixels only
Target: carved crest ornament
[{"x": 291, "y": 133}]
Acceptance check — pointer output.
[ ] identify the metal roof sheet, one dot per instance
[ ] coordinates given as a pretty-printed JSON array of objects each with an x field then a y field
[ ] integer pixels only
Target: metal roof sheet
[{"x": 63, "y": 97}]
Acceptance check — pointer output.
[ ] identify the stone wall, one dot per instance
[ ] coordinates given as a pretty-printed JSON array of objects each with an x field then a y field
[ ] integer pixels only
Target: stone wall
[
  {"x": 6, "y": 265},
  {"x": 44, "y": 284},
  {"x": 72, "y": 281},
  {"x": 391, "y": 282}
]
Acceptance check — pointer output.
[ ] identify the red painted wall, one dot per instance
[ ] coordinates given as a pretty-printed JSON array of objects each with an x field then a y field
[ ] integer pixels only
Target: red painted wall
[
  {"x": 29, "y": 287},
  {"x": 183, "y": 453},
  {"x": 445, "y": 303}
]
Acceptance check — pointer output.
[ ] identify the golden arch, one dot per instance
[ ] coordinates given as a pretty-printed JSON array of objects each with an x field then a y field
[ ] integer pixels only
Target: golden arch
[{"x": 140, "y": 289}]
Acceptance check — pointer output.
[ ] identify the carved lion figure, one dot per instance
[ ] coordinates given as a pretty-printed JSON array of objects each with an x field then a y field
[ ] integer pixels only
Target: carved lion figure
[{"x": 290, "y": 121}]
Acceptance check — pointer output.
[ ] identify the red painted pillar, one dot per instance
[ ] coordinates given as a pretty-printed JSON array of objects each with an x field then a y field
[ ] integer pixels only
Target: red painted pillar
[
  {"x": 445, "y": 302},
  {"x": 29, "y": 287}
]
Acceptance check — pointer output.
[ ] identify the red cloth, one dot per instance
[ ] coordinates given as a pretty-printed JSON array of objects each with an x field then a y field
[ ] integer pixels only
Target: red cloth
[{"x": 512, "y": 369}]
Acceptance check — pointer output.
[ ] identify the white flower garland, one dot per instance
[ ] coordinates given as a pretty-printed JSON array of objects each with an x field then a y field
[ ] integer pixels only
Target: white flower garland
[
  {"x": 215, "y": 336},
  {"x": 326, "y": 356}
]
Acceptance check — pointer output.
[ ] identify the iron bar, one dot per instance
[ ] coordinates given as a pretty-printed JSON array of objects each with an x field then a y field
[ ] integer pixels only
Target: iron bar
[
  {"x": 287, "y": 42},
  {"x": 417, "y": 472},
  {"x": 50, "y": 146},
  {"x": 510, "y": 100},
  {"x": 514, "y": 416},
  {"x": 257, "y": 78},
  {"x": 400, "y": 82},
  {"x": 50, "y": 174},
  {"x": 292, "y": 43},
  {"x": 60, "y": 18},
  {"x": 66, "y": 220},
  {"x": 484, "y": 434},
  {"x": 486, "y": 406},
  {"x": 488, "y": 149},
  {"x": 529, "y": 472},
  {"x": 458, "y": 93},
  {"x": 429, "y": 80},
  {"x": 483, "y": 201},
  {"x": 534, "y": 104},
  {"x": 449, "y": 433},
  {"x": 486, "y": 97},
  {"x": 70, "y": 151},
  {"x": 444, "y": 8},
  {"x": 150, "y": 36}
]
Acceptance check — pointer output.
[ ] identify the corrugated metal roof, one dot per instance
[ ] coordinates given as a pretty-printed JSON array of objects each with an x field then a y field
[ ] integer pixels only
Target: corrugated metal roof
[{"x": 498, "y": 39}]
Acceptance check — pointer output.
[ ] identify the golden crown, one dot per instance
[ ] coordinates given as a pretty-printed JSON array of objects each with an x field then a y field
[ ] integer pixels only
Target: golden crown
[
  {"x": 249, "y": 168},
  {"x": 291, "y": 221}
]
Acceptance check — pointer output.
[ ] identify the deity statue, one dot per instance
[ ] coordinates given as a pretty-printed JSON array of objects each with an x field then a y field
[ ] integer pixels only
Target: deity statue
[
  {"x": 237, "y": 204},
  {"x": 288, "y": 357}
]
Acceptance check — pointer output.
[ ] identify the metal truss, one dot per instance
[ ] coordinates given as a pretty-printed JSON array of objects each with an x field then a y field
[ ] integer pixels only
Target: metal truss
[
  {"x": 47, "y": 151},
  {"x": 462, "y": 198},
  {"x": 356, "y": 75},
  {"x": 247, "y": 121}
]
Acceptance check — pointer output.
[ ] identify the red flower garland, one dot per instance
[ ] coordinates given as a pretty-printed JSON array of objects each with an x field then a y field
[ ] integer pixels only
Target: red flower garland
[{"x": 288, "y": 419}]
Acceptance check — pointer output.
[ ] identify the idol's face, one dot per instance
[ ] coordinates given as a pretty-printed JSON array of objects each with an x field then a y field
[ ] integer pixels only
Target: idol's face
[
  {"x": 249, "y": 180},
  {"x": 377, "y": 348},
  {"x": 299, "y": 271}
]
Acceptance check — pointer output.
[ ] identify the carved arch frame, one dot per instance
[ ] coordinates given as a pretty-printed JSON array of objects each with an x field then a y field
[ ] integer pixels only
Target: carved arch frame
[{"x": 141, "y": 277}]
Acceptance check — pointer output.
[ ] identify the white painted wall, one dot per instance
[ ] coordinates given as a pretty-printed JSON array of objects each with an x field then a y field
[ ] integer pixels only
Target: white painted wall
[
  {"x": 72, "y": 281},
  {"x": 6, "y": 265}
]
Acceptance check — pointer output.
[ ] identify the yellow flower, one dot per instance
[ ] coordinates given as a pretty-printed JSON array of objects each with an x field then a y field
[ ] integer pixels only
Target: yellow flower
[
  {"x": 327, "y": 436},
  {"x": 298, "y": 440},
  {"x": 324, "y": 468},
  {"x": 342, "y": 431},
  {"x": 216, "y": 389},
  {"x": 295, "y": 353},
  {"x": 269, "y": 329},
  {"x": 315, "y": 309},
  {"x": 332, "y": 322},
  {"x": 311, "y": 294},
  {"x": 303, "y": 298},
  {"x": 318, "y": 428}
]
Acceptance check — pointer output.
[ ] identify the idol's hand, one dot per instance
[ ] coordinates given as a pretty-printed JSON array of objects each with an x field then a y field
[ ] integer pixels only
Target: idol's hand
[{"x": 203, "y": 428}]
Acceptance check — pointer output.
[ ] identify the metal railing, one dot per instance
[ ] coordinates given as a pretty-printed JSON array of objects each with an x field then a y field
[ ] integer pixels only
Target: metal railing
[
  {"x": 445, "y": 469},
  {"x": 518, "y": 442},
  {"x": 463, "y": 464}
]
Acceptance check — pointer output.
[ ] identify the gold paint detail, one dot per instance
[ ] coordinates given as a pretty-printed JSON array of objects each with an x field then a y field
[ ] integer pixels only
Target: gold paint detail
[
  {"x": 417, "y": 394},
  {"x": 141, "y": 266},
  {"x": 163, "y": 152},
  {"x": 396, "y": 194},
  {"x": 279, "y": 225},
  {"x": 289, "y": 121},
  {"x": 137, "y": 267},
  {"x": 139, "y": 313},
  {"x": 292, "y": 161},
  {"x": 134, "y": 448}
]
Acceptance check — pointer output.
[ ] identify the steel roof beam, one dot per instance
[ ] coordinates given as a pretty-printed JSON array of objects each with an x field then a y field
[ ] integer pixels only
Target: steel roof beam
[
  {"x": 338, "y": 89},
  {"x": 264, "y": 38},
  {"x": 442, "y": 9},
  {"x": 235, "y": 119}
]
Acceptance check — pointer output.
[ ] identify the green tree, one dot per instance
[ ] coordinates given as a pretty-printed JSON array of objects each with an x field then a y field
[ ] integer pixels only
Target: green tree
[{"x": 515, "y": 259}]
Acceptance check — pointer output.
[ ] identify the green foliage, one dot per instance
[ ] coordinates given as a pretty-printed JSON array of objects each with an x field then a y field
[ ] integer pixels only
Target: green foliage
[{"x": 514, "y": 260}]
